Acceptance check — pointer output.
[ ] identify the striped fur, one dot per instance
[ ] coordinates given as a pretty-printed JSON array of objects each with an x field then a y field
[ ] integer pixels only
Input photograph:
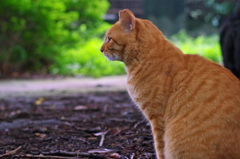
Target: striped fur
[{"x": 193, "y": 104}]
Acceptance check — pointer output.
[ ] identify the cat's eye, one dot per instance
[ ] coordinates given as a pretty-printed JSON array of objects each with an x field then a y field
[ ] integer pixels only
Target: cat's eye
[{"x": 108, "y": 39}]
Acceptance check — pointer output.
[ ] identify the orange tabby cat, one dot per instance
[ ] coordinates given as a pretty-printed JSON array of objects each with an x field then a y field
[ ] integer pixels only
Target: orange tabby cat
[{"x": 193, "y": 104}]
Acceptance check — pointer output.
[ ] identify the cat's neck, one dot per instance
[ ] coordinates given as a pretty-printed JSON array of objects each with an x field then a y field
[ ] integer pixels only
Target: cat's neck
[{"x": 163, "y": 62}]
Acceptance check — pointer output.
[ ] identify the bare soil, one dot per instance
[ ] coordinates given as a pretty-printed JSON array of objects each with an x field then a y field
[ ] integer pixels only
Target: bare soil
[{"x": 90, "y": 125}]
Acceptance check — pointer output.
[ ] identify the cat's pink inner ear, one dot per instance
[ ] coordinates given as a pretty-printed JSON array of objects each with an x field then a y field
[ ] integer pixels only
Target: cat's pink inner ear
[{"x": 127, "y": 19}]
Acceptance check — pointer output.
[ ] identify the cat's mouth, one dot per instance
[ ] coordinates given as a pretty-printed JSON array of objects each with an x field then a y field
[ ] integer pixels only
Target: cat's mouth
[{"x": 108, "y": 56}]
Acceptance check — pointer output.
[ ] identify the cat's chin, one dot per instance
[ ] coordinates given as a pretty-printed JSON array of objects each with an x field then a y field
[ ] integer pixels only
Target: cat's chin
[{"x": 111, "y": 57}]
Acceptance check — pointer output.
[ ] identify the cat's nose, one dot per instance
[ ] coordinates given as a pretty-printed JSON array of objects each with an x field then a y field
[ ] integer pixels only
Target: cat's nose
[{"x": 102, "y": 49}]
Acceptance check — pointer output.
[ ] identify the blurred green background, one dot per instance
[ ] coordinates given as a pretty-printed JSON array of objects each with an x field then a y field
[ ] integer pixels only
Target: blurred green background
[{"x": 64, "y": 37}]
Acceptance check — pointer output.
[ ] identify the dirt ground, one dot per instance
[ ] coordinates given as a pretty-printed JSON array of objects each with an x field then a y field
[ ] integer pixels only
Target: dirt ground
[{"x": 89, "y": 125}]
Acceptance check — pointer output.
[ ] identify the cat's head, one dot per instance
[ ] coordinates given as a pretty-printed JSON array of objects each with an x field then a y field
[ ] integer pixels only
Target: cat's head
[
  {"x": 119, "y": 36},
  {"x": 128, "y": 37}
]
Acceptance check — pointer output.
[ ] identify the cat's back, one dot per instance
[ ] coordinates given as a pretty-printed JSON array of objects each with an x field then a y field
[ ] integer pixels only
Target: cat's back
[
  {"x": 206, "y": 110},
  {"x": 210, "y": 85},
  {"x": 207, "y": 83}
]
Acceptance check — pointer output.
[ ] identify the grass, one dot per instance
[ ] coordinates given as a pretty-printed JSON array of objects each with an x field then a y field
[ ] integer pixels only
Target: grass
[{"x": 88, "y": 60}]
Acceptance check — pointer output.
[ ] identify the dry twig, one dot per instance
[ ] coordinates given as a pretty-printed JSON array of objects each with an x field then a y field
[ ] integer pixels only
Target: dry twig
[
  {"x": 9, "y": 153},
  {"x": 132, "y": 156},
  {"x": 102, "y": 134},
  {"x": 62, "y": 155},
  {"x": 41, "y": 156},
  {"x": 138, "y": 123}
]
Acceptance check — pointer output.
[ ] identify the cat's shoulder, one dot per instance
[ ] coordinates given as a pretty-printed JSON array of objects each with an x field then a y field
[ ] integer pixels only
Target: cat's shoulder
[
  {"x": 195, "y": 60},
  {"x": 201, "y": 66}
]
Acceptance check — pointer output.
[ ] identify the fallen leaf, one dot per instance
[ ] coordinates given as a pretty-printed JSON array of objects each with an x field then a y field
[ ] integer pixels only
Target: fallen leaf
[
  {"x": 114, "y": 155},
  {"x": 40, "y": 135},
  {"x": 39, "y": 101}
]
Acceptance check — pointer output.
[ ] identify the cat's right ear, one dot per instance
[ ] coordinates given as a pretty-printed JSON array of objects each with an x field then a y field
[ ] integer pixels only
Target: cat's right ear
[{"x": 127, "y": 19}]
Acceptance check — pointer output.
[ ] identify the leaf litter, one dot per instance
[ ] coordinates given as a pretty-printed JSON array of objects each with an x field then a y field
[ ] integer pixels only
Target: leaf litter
[{"x": 92, "y": 125}]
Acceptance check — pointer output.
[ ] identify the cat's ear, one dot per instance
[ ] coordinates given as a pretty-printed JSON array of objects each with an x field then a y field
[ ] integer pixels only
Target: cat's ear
[{"x": 127, "y": 19}]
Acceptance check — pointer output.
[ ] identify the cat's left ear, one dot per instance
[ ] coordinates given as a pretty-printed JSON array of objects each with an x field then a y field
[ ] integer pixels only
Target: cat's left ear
[{"x": 127, "y": 19}]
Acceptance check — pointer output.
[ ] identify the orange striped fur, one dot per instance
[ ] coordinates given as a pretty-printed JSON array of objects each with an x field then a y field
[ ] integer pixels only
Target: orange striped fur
[{"x": 193, "y": 104}]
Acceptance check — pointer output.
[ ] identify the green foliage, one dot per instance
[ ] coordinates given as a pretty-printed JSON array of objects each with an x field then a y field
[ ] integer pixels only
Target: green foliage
[
  {"x": 34, "y": 32},
  {"x": 86, "y": 60},
  {"x": 206, "y": 46},
  {"x": 63, "y": 37}
]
